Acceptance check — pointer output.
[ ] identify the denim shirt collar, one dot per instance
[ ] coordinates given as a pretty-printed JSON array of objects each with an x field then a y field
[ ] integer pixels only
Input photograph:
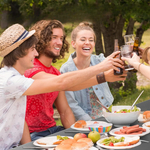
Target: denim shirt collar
[{"x": 72, "y": 64}]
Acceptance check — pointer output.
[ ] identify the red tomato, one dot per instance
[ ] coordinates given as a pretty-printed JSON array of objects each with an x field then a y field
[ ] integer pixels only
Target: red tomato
[
  {"x": 111, "y": 144},
  {"x": 123, "y": 112}
]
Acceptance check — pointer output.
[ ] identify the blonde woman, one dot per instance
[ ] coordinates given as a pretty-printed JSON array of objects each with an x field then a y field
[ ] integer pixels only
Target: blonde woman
[{"x": 84, "y": 102}]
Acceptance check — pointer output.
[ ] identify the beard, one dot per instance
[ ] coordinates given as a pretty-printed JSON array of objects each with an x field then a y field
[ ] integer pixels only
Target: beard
[{"x": 50, "y": 54}]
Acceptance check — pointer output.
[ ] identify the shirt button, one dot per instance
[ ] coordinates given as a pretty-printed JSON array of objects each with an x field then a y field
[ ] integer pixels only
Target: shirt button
[
  {"x": 96, "y": 88},
  {"x": 102, "y": 97}
]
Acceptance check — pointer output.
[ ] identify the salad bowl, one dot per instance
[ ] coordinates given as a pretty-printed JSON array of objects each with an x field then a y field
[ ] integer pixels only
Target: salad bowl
[{"x": 122, "y": 115}]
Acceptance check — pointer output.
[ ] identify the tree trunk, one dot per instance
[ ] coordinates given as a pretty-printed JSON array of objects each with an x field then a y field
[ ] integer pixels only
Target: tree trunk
[
  {"x": 99, "y": 45},
  {"x": 36, "y": 11},
  {"x": 108, "y": 36},
  {"x": 140, "y": 31},
  {"x": 119, "y": 30},
  {"x": 113, "y": 31},
  {"x": 130, "y": 27},
  {"x": 4, "y": 23}
]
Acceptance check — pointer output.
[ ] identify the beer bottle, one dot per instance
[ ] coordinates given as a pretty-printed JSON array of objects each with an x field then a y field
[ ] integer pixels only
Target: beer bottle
[
  {"x": 136, "y": 45},
  {"x": 116, "y": 48}
]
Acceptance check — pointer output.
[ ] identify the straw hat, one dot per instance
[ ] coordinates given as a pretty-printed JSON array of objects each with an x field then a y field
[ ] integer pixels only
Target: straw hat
[{"x": 12, "y": 37}]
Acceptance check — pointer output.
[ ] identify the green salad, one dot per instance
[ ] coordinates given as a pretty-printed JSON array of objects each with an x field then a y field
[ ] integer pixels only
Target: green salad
[
  {"x": 62, "y": 138},
  {"x": 124, "y": 110},
  {"x": 111, "y": 140}
]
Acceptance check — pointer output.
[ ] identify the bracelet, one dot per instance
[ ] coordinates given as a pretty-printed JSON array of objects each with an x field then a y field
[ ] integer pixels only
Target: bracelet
[
  {"x": 101, "y": 78},
  {"x": 139, "y": 67}
]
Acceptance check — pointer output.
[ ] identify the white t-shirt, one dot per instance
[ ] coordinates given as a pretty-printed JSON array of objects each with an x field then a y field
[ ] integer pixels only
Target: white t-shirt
[{"x": 12, "y": 106}]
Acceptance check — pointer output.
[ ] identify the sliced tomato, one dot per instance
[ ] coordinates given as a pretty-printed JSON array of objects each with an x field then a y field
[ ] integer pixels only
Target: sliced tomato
[{"x": 111, "y": 144}]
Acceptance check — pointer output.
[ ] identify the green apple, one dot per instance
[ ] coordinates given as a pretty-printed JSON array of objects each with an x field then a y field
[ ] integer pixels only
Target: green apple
[{"x": 94, "y": 136}]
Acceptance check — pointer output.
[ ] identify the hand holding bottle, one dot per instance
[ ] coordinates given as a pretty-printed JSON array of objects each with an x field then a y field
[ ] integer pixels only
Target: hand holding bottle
[{"x": 112, "y": 63}]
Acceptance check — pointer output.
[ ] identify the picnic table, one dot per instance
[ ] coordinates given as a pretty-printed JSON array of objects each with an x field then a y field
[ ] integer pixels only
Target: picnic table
[{"x": 71, "y": 132}]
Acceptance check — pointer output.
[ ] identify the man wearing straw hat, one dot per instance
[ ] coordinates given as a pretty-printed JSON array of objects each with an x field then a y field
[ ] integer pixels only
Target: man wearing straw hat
[{"x": 17, "y": 47}]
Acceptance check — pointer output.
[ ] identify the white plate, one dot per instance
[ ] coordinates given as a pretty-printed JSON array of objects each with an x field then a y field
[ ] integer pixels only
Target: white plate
[
  {"x": 117, "y": 147},
  {"x": 48, "y": 140},
  {"x": 88, "y": 123},
  {"x": 145, "y": 124},
  {"x": 129, "y": 135}
]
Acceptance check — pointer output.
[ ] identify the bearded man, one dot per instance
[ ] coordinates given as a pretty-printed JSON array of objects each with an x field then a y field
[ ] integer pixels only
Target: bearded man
[{"x": 39, "y": 113}]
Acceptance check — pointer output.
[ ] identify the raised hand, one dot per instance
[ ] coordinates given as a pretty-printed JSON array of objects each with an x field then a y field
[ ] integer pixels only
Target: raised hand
[
  {"x": 133, "y": 60},
  {"x": 141, "y": 50},
  {"x": 112, "y": 63}
]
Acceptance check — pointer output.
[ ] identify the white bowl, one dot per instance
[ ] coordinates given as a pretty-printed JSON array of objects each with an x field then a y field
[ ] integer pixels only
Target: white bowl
[{"x": 121, "y": 119}]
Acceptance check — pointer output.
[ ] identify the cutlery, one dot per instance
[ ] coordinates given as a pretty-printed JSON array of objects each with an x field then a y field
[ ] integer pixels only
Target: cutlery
[
  {"x": 104, "y": 135},
  {"x": 103, "y": 106},
  {"x": 39, "y": 147},
  {"x": 136, "y": 100},
  {"x": 100, "y": 148},
  {"x": 144, "y": 141},
  {"x": 77, "y": 131}
]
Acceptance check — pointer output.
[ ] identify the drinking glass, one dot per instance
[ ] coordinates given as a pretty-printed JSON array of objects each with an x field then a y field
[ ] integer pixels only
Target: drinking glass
[
  {"x": 129, "y": 39},
  {"x": 126, "y": 51}
]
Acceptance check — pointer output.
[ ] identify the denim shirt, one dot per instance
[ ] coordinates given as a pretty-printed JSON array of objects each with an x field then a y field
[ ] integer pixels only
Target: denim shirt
[{"x": 79, "y": 101}]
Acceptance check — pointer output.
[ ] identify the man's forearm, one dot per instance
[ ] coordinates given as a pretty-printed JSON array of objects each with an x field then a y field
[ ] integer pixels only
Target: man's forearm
[
  {"x": 67, "y": 118},
  {"x": 26, "y": 135},
  {"x": 66, "y": 81},
  {"x": 63, "y": 82}
]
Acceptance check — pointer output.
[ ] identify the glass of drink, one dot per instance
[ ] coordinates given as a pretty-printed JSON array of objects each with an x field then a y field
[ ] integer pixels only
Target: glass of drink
[
  {"x": 129, "y": 39},
  {"x": 126, "y": 51}
]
